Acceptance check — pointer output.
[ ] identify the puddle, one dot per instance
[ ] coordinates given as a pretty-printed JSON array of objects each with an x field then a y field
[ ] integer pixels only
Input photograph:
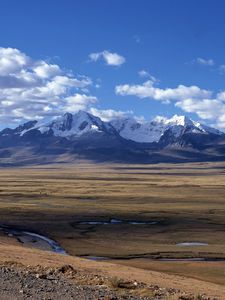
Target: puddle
[
  {"x": 182, "y": 259},
  {"x": 192, "y": 259},
  {"x": 117, "y": 221},
  {"x": 189, "y": 244},
  {"x": 96, "y": 258}
]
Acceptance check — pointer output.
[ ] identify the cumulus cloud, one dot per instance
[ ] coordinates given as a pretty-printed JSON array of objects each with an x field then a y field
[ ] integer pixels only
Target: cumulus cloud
[
  {"x": 221, "y": 96},
  {"x": 205, "y": 62},
  {"x": 44, "y": 70},
  {"x": 78, "y": 102},
  {"x": 148, "y": 90},
  {"x": 110, "y": 114},
  {"x": 33, "y": 89},
  {"x": 205, "y": 108},
  {"x": 111, "y": 59},
  {"x": 12, "y": 60}
]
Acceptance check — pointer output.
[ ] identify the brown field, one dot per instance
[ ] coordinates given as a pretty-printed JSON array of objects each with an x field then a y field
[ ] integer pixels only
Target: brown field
[{"x": 187, "y": 201}]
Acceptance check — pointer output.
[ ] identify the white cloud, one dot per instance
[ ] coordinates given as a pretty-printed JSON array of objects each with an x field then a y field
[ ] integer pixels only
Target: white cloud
[
  {"x": 208, "y": 109},
  {"x": 148, "y": 90},
  {"x": 78, "y": 102},
  {"x": 145, "y": 74},
  {"x": 12, "y": 60},
  {"x": 111, "y": 59},
  {"x": 221, "y": 96},
  {"x": 110, "y": 114},
  {"x": 33, "y": 89},
  {"x": 45, "y": 70},
  {"x": 205, "y": 62}
]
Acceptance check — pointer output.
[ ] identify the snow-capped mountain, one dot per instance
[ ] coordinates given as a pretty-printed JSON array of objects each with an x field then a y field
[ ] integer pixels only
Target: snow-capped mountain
[
  {"x": 154, "y": 130},
  {"x": 18, "y": 130},
  {"x": 72, "y": 126}
]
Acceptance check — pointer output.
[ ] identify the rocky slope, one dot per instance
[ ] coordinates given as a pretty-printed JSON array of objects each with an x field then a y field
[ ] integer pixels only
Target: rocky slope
[{"x": 26, "y": 282}]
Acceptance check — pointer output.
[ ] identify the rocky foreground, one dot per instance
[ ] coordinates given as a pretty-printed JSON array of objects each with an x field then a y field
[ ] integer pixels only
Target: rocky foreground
[{"x": 18, "y": 281}]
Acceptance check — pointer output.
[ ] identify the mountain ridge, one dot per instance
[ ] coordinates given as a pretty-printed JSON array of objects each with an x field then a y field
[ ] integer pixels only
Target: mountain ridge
[
  {"x": 83, "y": 135},
  {"x": 71, "y": 125}
]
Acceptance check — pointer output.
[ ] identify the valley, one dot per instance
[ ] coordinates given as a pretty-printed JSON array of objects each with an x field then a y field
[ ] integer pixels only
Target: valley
[{"x": 164, "y": 217}]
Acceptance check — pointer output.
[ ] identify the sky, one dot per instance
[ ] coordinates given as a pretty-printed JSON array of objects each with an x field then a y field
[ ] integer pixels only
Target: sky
[{"x": 139, "y": 58}]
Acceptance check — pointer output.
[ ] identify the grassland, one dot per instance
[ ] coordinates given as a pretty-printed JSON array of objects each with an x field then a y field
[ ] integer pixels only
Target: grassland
[{"x": 187, "y": 202}]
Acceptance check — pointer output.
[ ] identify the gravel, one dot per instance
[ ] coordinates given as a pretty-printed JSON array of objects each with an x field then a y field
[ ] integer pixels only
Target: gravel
[{"x": 26, "y": 282}]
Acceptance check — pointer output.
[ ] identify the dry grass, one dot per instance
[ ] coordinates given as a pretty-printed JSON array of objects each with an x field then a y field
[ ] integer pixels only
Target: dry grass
[{"x": 187, "y": 200}]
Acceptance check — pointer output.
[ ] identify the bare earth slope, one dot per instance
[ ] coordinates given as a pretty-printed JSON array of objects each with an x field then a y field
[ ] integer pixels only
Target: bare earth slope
[{"x": 39, "y": 274}]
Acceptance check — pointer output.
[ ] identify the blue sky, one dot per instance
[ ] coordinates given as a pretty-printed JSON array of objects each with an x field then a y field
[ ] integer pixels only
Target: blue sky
[{"x": 180, "y": 44}]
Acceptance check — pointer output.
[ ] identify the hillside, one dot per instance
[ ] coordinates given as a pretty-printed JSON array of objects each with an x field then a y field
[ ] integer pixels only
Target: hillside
[{"x": 43, "y": 275}]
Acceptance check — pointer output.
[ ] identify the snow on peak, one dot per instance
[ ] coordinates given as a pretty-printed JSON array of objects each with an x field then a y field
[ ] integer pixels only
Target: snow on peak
[
  {"x": 152, "y": 131},
  {"x": 131, "y": 129},
  {"x": 179, "y": 121},
  {"x": 73, "y": 125}
]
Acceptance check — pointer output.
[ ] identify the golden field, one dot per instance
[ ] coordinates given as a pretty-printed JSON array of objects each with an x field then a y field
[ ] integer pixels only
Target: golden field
[{"x": 187, "y": 202}]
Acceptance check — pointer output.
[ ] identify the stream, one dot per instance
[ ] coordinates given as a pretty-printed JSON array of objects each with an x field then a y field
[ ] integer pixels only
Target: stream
[
  {"x": 33, "y": 239},
  {"x": 117, "y": 221},
  {"x": 44, "y": 243}
]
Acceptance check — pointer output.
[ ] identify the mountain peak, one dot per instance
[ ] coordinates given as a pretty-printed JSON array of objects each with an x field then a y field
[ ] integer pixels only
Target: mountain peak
[
  {"x": 180, "y": 120},
  {"x": 175, "y": 120},
  {"x": 63, "y": 123},
  {"x": 67, "y": 115},
  {"x": 74, "y": 125},
  {"x": 81, "y": 113},
  {"x": 152, "y": 131}
]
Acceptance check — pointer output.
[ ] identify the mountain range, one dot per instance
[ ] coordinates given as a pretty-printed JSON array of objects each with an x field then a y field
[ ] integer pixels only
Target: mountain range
[{"x": 85, "y": 136}]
